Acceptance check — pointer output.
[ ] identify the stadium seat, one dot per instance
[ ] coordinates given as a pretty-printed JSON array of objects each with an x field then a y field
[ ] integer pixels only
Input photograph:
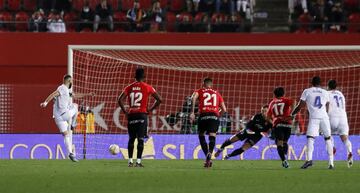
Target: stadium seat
[
  {"x": 145, "y": 4},
  {"x": 164, "y": 3},
  {"x": 77, "y": 5},
  {"x": 170, "y": 21},
  {"x": 354, "y": 23},
  {"x": 29, "y": 5},
  {"x": 198, "y": 17},
  {"x": 21, "y": 19},
  {"x": 126, "y": 4},
  {"x": 70, "y": 20},
  {"x": 216, "y": 17},
  {"x": 2, "y": 4},
  {"x": 14, "y": 5},
  {"x": 177, "y": 5},
  {"x": 86, "y": 30},
  {"x": 304, "y": 21},
  {"x": 5, "y": 20},
  {"x": 119, "y": 19}
]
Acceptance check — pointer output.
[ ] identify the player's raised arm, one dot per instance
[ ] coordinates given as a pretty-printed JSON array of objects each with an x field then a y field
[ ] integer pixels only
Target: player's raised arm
[
  {"x": 158, "y": 101},
  {"x": 82, "y": 95},
  {"x": 49, "y": 98},
  {"x": 194, "y": 98},
  {"x": 121, "y": 99}
]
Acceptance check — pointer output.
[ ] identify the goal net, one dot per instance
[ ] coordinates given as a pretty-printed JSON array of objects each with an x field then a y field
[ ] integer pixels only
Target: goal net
[{"x": 245, "y": 76}]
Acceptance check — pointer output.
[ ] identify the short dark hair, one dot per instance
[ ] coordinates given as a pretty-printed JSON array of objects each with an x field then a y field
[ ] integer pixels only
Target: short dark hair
[
  {"x": 265, "y": 106},
  {"x": 207, "y": 80},
  {"x": 139, "y": 74},
  {"x": 332, "y": 84},
  {"x": 279, "y": 91},
  {"x": 316, "y": 81},
  {"x": 67, "y": 76}
]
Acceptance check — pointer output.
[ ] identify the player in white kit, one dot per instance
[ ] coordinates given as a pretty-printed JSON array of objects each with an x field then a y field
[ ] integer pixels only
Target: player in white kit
[
  {"x": 338, "y": 118},
  {"x": 317, "y": 101},
  {"x": 65, "y": 111}
]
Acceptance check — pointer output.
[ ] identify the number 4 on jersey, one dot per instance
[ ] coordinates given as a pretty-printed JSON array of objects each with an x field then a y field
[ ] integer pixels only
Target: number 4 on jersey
[{"x": 317, "y": 102}]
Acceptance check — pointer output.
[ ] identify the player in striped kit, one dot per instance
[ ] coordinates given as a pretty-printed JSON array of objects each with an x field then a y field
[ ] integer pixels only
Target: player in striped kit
[
  {"x": 317, "y": 101},
  {"x": 338, "y": 118}
]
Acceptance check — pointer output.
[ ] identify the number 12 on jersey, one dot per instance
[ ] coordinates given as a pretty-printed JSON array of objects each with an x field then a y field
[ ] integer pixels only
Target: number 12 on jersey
[{"x": 135, "y": 99}]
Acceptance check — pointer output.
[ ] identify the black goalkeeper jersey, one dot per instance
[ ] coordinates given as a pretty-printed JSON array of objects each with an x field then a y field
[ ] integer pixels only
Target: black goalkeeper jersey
[{"x": 258, "y": 124}]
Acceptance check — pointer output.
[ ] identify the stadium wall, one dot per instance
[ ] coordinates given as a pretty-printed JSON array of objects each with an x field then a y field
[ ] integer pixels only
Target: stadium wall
[{"x": 32, "y": 64}]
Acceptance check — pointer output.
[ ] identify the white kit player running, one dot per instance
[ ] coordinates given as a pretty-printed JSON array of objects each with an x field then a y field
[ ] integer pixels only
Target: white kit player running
[
  {"x": 65, "y": 112},
  {"x": 338, "y": 118},
  {"x": 317, "y": 101}
]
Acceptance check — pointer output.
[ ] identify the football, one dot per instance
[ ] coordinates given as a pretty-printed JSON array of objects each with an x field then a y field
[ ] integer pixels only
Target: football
[{"x": 114, "y": 149}]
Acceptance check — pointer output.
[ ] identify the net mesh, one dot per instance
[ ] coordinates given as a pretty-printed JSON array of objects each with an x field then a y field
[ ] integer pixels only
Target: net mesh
[{"x": 245, "y": 78}]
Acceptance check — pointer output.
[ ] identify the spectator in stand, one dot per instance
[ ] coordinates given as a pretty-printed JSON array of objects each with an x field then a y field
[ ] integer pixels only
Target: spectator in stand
[
  {"x": 297, "y": 7},
  {"x": 336, "y": 17},
  {"x": 242, "y": 7},
  {"x": 232, "y": 23},
  {"x": 103, "y": 12},
  {"x": 192, "y": 6},
  {"x": 156, "y": 16},
  {"x": 185, "y": 25},
  {"x": 55, "y": 23},
  {"x": 136, "y": 17},
  {"x": 86, "y": 17},
  {"x": 203, "y": 25},
  {"x": 225, "y": 6},
  {"x": 217, "y": 23},
  {"x": 37, "y": 22}
]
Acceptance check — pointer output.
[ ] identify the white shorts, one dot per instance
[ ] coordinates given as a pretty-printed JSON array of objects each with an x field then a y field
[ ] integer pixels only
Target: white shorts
[
  {"x": 339, "y": 125},
  {"x": 319, "y": 125},
  {"x": 63, "y": 122}
]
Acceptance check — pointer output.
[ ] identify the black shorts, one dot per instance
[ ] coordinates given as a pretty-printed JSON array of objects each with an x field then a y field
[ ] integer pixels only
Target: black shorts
[
  {"x": 208, "y": 122},
  {"x": 249, "y": 138},
  {"x": 137, "y": 125},
  {"x": 282, "y": 132}
]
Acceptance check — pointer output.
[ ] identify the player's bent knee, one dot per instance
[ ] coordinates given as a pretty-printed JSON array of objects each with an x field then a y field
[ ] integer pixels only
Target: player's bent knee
[
  {"x": 327, "y": 138},
  {"x": 212, "y": 134},
  {"x": 65, "y": 133},
  {"x": 308, "y": 136}
]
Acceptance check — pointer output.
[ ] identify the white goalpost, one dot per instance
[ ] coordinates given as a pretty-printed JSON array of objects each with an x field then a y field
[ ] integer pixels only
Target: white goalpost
[{"x": 244, "y": 75}]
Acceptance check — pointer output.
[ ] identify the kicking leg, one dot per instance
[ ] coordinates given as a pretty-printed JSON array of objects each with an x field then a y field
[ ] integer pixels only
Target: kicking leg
[{"x": 247, "y": 145}]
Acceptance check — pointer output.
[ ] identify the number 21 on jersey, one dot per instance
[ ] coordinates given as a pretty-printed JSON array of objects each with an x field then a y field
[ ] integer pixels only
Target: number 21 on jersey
[
  {"x": 208, "y": 101},
  {"x": 135, "y": 99}
]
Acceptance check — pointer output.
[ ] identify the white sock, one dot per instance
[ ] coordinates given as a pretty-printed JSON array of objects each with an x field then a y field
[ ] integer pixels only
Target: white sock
[
  {"x": 67, "y": 142},
  {"x": 329, "y": 149},
  {"x": 130, "y": 160},
  {"x": 348, "y": 146},
  {"x": 332, "y": 141},
  {"x": 310, "y": 148},
  {"x": 70, "y": 133},
  {"x": 138, "y": 161}
]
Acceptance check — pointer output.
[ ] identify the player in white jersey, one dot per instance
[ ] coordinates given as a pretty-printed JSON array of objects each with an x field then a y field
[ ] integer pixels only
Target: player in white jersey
[
  {"x": 317, "y": 101},
  {"x": 65, "y": 111},
  {"x": 338, "y": 118}
]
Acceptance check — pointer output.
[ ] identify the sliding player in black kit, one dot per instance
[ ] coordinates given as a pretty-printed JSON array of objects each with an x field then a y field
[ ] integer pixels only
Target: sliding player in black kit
[{"x": 255, "y": 129}]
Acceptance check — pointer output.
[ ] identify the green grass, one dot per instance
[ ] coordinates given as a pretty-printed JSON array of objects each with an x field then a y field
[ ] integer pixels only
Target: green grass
[{"x": 171, "y": 176}]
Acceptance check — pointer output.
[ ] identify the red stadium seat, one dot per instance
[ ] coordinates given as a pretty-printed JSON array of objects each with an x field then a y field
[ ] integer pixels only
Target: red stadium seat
[
  {"x": 177, "y": 5},
  {"x": 354, "y": 23},
  {"x": 164, "y": 3},
  {"x": 78, "y": 4},
  {"x": 198, "y": 17},
  {"x": 145, "y": 4},
  {"x": 2, "y": 4},
  {"x": 304, "y": 21},
  {"x": 170, "y": 21},
  {"x": 21, "y": 19},
  {"x": 217, "y": 17},
  {"x": 14, "y": 5},
  {"x": 29, "y": 5},
  {"x": 119, "y": 21},
  {"x": 126, "y": 4},
  {"x": 86, "y": 30},
  {"x": 70, "y": 21},
  {"x": 7, "y": 19}
]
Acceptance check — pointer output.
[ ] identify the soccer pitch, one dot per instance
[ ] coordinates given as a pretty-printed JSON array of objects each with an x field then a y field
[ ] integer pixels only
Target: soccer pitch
[{"x": 171, "y": 176}]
